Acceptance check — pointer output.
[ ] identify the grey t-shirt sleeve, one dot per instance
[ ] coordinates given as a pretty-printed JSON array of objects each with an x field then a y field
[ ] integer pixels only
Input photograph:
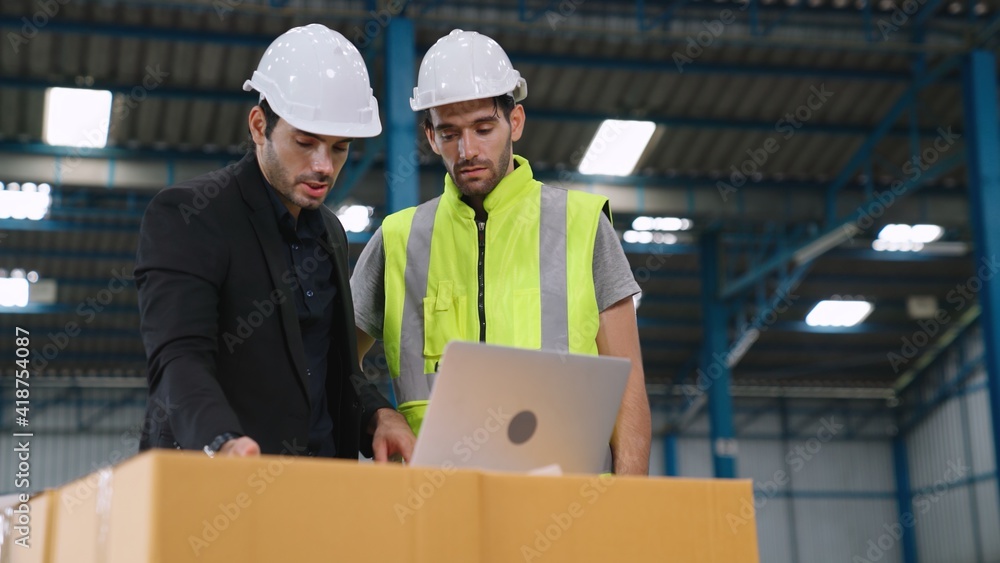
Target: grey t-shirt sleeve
[
  {"x": 613, "y": 279},
  {"x": 368, "y": 287}
]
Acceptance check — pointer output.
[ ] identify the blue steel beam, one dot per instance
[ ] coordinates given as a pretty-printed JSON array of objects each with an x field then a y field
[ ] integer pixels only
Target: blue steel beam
[
  {"x": 968, "y": 452},
  {"x": 925, "y": 13},
  {"x": 840, "y": 231},
  {"x": 781, "y": 297},
  {"x": 670, "y": 461},
  {"x": 904, "y": 498},
  {"x": 982, "y": 124},
  {"x": 403, "y": 171},
  {"x": 715, "y": 340},
  {"x": 904, "y": 101}
]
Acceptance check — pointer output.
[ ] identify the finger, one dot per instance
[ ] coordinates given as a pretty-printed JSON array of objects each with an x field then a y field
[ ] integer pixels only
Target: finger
[
  {"x": 250, "y": 448},
  {"x": 406, "y": 448},
  {"x": 380, "y": 449},
  {"x": 241, "y": 447}
]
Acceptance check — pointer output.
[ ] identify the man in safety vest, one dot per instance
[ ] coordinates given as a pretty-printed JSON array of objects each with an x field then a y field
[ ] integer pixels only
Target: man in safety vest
[{"x": 499, "y": 257}]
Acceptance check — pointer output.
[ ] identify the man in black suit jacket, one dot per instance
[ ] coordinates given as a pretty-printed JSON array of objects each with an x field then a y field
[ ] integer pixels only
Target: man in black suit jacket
[{"x": 246, "y": 311}]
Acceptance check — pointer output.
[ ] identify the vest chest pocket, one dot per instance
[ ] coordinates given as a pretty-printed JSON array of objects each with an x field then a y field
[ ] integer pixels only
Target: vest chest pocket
[{"x": 444, "y": 320}]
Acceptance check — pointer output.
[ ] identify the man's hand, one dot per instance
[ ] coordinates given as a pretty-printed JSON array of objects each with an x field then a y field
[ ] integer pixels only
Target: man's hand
[
  {"x": 392, "y": 436},
  {"x": 244, "y": 446}
]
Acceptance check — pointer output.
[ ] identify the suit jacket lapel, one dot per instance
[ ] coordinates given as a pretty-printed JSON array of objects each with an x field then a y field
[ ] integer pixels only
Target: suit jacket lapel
[{"x": 266, "y": 228}]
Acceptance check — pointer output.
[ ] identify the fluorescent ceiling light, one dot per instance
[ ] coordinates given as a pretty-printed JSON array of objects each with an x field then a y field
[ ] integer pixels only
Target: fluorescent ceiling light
[
  {"x": 13, "y": 292},
  {"x": 77, "y": 117},
  {"x": 839, "y": 313},
  {"x": 355, "y": 218},
  {"x": 616, "y": 148},
  {"x": 24, "y": 201},
  {"x": 646, "y": 237},
  {"x": 894, "y": 233},
  {"x": 925, "y": 233},
  {"x": 907, "y": 246},
  {"x": 661, "y": 224},
  {"x": 906, "y": 238}
]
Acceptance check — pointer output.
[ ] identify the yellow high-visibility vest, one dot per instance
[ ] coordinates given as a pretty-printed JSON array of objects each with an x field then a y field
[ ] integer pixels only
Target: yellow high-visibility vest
[{"x": 536, "y": 289}]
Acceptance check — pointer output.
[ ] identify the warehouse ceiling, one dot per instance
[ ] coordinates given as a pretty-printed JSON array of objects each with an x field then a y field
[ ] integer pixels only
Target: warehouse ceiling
[{"x": 775, "y": 121}]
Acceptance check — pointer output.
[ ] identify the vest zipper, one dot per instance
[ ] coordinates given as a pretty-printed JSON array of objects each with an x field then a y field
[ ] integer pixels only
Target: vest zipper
[{"x": 482, "y": 277}]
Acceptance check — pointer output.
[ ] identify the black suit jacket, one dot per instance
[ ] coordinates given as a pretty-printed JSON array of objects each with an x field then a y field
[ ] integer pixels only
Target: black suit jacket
[{"x": 219, "y": 325}]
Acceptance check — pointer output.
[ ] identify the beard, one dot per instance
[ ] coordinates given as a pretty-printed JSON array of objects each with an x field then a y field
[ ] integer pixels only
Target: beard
[
  {"x": 483, "y": 186},
  {"x": 285, "y": 185}
]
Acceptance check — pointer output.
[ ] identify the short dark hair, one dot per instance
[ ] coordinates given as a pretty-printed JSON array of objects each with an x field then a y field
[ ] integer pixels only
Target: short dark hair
[
  {"x": 501, "y": 104},
  {"x": 270, "y": 120}
]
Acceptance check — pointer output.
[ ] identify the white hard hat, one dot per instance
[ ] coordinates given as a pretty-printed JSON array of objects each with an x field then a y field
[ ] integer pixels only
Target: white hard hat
[
  {"x": 462, "y": 66},
  {"x": 316, "y": 80}
]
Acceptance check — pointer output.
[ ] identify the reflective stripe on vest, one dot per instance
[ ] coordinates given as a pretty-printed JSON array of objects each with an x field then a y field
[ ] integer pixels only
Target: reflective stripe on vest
[
  {"x": 552, "y": 270},
  {"x": 412, "y": 383}
]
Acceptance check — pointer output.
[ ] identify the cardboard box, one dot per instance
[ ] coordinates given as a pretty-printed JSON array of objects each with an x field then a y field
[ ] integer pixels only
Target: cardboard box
[
  {"x": 40, "y": 537},
  {"x": 174, "y": 507}
]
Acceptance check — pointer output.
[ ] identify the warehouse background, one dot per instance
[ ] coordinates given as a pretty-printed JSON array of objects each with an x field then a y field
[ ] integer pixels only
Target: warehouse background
[{"x": 788, "y": 134}]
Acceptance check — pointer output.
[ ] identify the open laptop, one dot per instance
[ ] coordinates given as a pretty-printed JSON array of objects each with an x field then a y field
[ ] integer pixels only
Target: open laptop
[{"x": 510, "y": 409}]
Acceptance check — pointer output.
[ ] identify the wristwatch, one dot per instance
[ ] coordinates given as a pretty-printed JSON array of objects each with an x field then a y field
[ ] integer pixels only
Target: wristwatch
[{"x": 216, "y": 445}]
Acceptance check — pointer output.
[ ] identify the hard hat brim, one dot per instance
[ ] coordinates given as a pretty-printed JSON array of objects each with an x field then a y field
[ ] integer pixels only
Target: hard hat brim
[
  {"x": 519, "y": 93},
  {"x": 337, "y": 129}
]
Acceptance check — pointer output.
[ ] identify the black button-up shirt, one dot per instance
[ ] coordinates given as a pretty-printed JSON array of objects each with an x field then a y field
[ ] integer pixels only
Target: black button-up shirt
[{"x": 314, "y": 292}]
